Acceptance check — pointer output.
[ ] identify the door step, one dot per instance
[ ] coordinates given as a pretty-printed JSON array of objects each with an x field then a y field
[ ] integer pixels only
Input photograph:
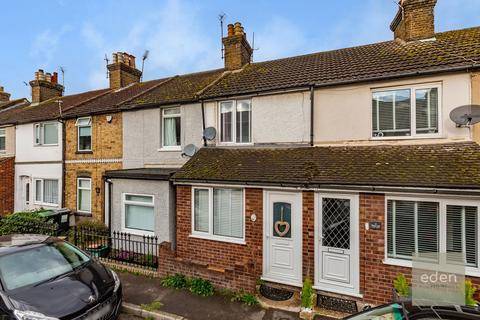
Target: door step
[
  {"x": 275, "y": 294},
  {"x": 336, "y": 303}
]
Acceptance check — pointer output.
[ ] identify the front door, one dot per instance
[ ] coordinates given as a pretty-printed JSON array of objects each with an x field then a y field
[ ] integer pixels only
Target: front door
[
  {"x": 336, "y": 256},
  {"x": 282, "y": 254}
]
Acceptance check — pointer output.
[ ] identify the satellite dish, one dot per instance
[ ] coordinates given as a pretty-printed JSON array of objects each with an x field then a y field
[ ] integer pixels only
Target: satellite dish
[
  {"x": 466, "y": 115},
  {"x": 189, "y": 150},
  {"x": 210, "y": 133}
]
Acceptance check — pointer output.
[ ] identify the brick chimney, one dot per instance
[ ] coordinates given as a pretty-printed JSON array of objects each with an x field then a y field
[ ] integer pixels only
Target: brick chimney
[
  {"x": 45, "y": 86},
  {"x": 414, "y": 20},
  {"x": 122, "y": 71},
  {"x": 4, "y": 96},
  {"x": 237, "y": 49}
]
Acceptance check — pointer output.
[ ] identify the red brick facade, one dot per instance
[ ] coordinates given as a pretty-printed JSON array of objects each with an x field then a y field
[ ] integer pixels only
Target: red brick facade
[
  {"x": 7, "y": 185},
  {"x": 239, "y": 266}
]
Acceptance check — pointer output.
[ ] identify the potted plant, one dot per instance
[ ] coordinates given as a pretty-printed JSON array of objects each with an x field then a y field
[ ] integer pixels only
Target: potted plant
[
  {"x": 470, "y": 291},
  {"x": 401, "y": 289},
  {"x": 307, "y": 298}
]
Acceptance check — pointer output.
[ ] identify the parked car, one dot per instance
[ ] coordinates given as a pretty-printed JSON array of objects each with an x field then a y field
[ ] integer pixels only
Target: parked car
[
  {"x": 407, "y": 311},
  {"x": 45, "y": 278}
]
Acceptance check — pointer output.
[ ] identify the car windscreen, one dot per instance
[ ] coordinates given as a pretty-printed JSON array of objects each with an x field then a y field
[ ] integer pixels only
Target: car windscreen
[{"x": 38, "y": 264}]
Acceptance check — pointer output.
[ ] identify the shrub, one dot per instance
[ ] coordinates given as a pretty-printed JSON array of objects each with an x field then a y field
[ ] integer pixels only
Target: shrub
[
  {"x": 201, "y": 287},
  {"x": 93, "y": 224},
  {"x": 246, "y": 298},
  {"x": 153, "y": 306},
  {"x": 307, "y": 294},
  {"x": 470, "y": 293},
  {"x": 400, "y": 284},
  {"x": 176, "y": 281},
  {"x": 26, "y": 222}
]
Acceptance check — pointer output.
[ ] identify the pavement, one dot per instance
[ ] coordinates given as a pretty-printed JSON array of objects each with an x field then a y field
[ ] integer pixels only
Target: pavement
[{"x": 143, "y": 290}]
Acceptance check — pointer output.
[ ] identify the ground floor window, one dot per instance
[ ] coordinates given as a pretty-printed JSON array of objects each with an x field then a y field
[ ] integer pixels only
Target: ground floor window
[
  {"x": 426, "y": 228},
  {"x": 84, "y": 195},
  {"x": 138, "y": 212},
  {"x": 218, "y": 213},
  {"x": 46, "y": 191}
]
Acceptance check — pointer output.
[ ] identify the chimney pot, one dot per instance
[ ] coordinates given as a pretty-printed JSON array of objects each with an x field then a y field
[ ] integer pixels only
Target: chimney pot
[
  {"x": 48, "y": 77},
  {"x": 45, "y": 86},
  {"x": 4, "y": 96},
  {"x": 238, "y": 28},
  {"x": 231, "y": 30},
  {"x": 238, "y": 51}
]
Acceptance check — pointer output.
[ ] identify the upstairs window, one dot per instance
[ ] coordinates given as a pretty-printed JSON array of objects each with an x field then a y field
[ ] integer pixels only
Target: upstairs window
[
  {"x": 171, "y": 124},
  {"x": 46, "y": 134},
  {"x": 46, "y": 191},
  {"x": 84, "y": 132},
  {"x": 407, "y": 112},
  {"x": 236, "y": 121},
  {"x": 2, "y": 140}
]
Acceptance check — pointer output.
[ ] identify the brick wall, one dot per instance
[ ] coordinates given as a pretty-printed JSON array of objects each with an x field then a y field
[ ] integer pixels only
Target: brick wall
[
  {"x": 7, "y": 185},
  {"x": 418, "y": 22},
  {"x": 107, "y": 144},
  {"x": 308, "y": 234},
  {"x": 121, "y": 75}
]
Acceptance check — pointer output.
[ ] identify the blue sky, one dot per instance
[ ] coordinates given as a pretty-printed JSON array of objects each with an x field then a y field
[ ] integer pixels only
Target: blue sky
[{"x": 184, "y": 36}]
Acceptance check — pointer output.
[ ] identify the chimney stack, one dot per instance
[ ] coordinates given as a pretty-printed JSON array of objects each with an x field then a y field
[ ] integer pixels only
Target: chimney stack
[
  {"x": 122, "y": 70},
  {"x": 4, "y": 96},
  {"x": 45, "y": 86},
  {"x": 237, "y": 49},
  {"x": 415, "y": 20}
]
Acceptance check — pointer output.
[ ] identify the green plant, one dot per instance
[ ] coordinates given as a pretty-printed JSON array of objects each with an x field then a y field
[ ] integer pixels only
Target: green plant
[
  {"x": 307, "y": 294},
  {"x": 201, "y": 287},
  {"x": 176, "y": 281},
  {"x": 470, "y": 293},
  {"x": 246, "y": 298},
  {"x": 26, "y": 222},
  {"x": 155, "y": 305},
  {"x": 400, "y": 284}
]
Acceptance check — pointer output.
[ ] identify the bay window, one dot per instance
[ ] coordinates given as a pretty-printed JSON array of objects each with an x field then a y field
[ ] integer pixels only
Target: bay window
[
  {"x": 406, "y": 112},
  {"x": 171, "y": 124},
  {"x": 84, "y": 195},
  {"x": 84, "y": 133},
  {"x": 46, "y": 133},
  {"x": 46, "y": 191},
  {"x": 2, "y": 140},
  {"x": 138, "y": 213},
  {"x": 217, "y": 213},
  {"x": 235, "y": 121}
]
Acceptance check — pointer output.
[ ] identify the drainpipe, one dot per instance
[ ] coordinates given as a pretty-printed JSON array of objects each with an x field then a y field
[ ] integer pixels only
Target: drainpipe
[
  {"x": 312, "y": 103},
  {"x": 110, "y": 194},
  {"x": 203, "y": 124},
  {"x": 64, "y": 171}
]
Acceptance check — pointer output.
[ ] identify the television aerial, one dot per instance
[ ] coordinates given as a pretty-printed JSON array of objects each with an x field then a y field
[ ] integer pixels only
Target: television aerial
[
  {"x": 209, "y": 133},
  {"x": 466, "y": 115},
  {"x": 189, "y": 150}
]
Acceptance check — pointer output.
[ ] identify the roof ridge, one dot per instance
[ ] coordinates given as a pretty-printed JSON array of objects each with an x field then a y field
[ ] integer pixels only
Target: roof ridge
[
  {"x": 101, "y": 94},
  {"x": 148, "y": 90},
  {"x": 214, "y": 82}
]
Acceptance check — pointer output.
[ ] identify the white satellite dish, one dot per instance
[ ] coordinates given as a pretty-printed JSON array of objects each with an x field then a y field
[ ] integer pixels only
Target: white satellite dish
[
  {"x": 466, "y": 115},
  {"x": 209, "y": 133},
  {"x": 189, "y": 150}
]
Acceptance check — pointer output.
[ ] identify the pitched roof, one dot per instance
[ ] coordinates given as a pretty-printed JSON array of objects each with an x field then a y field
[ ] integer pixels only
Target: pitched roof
[
  {"x": 449, "y": 51},
  {"x": 178, "y": 89},
  {"x": 6, "y": 105},
  {"x": 452, "y": 165}
]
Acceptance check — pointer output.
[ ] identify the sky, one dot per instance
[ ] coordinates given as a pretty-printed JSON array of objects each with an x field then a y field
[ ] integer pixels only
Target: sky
[{"x": 184, "y": 36}]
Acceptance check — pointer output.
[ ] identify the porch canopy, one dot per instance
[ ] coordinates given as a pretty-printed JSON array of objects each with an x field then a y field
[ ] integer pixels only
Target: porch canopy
[
  {"x": 432, "y": 168},
  {"x": 142, "y": 173}
]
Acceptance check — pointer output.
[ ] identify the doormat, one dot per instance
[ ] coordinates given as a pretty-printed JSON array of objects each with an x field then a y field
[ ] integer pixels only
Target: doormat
[
  {"x": 337, "y": 304},
  {"x": 275, "y": 294}
]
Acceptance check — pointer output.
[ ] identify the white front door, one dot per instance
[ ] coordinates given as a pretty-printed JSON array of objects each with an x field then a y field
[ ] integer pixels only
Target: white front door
[
  {"x": 337, "y": 244},
  {"x": 282, "y": 237},
  {"x": 25, "y": 194}
]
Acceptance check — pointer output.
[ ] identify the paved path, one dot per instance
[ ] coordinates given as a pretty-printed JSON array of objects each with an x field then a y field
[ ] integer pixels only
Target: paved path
[{"x": 142, "y": 290}]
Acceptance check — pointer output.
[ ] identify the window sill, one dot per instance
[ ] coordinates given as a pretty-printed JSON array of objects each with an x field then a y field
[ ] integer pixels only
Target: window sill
[
  {"x": 140, "y": 233},
  {"x": 435, "y": 136},
  {"x": 51, "y": 205},
  {"x": 235, "y": 144},
  {"x": 170, "y": 149},
  {"x": 83, "y": 214},
  {"x": 218, "y": 238},
  {"x": 84, "y": 152},
  {"x": 45, "y": 145},
  {"x": 469, "y": 271}
]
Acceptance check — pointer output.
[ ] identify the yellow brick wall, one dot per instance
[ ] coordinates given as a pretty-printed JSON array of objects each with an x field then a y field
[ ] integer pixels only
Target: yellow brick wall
[
  {"x": 107, "y": 144},
  {"x": 476, "y": 100}
]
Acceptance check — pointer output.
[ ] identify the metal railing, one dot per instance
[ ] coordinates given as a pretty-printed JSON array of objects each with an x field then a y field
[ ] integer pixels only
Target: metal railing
[{"x": 118, "y": 247}]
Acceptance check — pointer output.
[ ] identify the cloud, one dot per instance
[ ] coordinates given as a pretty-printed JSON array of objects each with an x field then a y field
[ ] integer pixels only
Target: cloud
[{"x": 45, "y": 44}]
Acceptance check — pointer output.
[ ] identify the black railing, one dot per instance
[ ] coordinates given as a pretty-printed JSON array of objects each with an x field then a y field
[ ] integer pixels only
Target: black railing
[{"x": 118, "y": 247}]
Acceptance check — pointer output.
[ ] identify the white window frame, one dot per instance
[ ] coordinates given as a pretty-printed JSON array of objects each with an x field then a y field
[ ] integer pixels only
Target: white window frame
[
  {"x": 4, "y": 136},
  {"x": 209, "y": 235},
  {"x": 413, "y": 114},
  {"x": 137, "y": 203},
  {"x": 78, "y": 193},
  {"x": 40, "y": 128},
  {"x": 162, "y": 127},
  {"x": 442, "y": 230},
  {"x": 42, "y": 202},
  {"x": 234, "y": 123},
  {"x": 79, "y": 125}
]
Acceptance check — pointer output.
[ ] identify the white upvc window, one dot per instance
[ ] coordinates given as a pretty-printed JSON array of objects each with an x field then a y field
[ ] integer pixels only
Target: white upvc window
[
  {"x": 84, "y": 134},
  {"x": 84, "y": 195},
  {"x": 218, "y": 214},
  {"x": 426, "y": 227},
  {"x": 235, "y": 121},
  {"x": 3, "y": 138},
  {"x": 46, "y": 134},
  {"x": 407, "y": 112},
  {"x": 46, "y": 192},
  {"x": 138, "y": 211},
  {"x": 171, "y": 128}
]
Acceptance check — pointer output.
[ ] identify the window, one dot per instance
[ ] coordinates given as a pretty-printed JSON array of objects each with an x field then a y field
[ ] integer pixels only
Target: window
[
  {"x": 84, "y": 195},
  {"x": 171, "y": 124},
  {"x": 413, "y": 228},
  {"x": 84, "y": 132},
  {"x": 218, "y": 213},
  {"x": 139, "y": 213},
  {"x": 2, "y": 140},
  {"x": 46, "y": 191},
  {"x": 46, "y": 133},
  {"x": 235, "y": 121},
  {"x": 405, "y": 112}
]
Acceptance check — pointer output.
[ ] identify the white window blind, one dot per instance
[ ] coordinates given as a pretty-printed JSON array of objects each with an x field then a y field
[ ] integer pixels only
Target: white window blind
[
  {"x": 38, "y": 191},
  {"x": 462, "y": 234},
  {"x": 236, "y": 121},
  {"x": 243, "y": 121},
  {"x": 2, "y": 139},
  {"x": 227, "y": 213},
  {"x": 226, "y": 121},
  {"x": 46, "y": 191},
  {"x": 46, "y": 133},
  {"x": 201, "y": 210},
  {"x": 139, "y": 212},
  {"x": 171, "y": 127},
  {"x": 84, "y": 195},
  {"x": 426, "y": 110}
]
